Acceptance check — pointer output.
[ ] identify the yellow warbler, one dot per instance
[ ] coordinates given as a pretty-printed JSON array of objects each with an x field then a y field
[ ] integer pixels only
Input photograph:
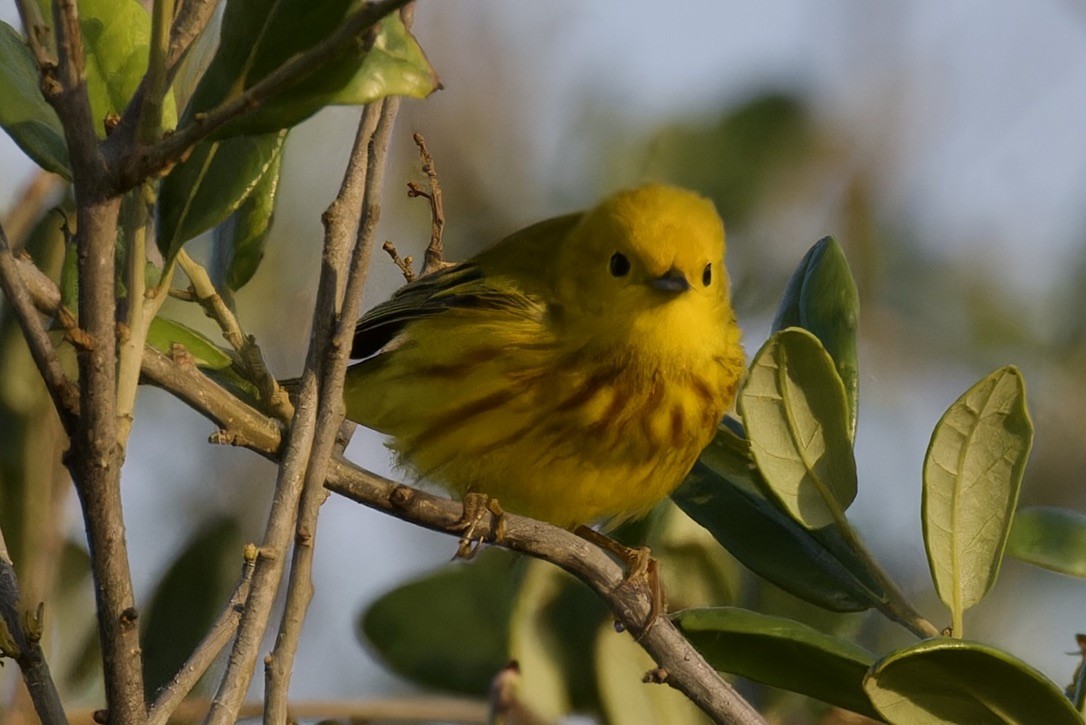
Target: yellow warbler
[{"x": 573, "y": 372}]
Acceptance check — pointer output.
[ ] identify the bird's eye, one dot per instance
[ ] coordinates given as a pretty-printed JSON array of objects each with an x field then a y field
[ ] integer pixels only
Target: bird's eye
[
  {"x": 620, "y": 265},
  {"x": 707, "y": 275}
]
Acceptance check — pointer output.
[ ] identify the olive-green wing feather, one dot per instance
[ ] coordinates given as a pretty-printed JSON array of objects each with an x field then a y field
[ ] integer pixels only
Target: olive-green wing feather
[
  {"x": 513, "y": 275},
  {"x": 462, "y": 286}
]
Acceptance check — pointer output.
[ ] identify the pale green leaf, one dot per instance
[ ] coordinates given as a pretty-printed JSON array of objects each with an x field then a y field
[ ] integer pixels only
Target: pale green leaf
[
  {"x": 1050, "y": 537},
  {"x": 535, "y": 645},
  {"x": 972, "y": 475},
  {"x": 780, "y": 652},
  {"x": 163, "y": 333},
  {"x": 24, "y": 113},
  {"x": 796, "y": 417},
  {"x": 116, "y": 36},
  {"x": 954, "y": 681},
  {"x": 821, "y": 297},
  {"x": 621, "y": 663}
]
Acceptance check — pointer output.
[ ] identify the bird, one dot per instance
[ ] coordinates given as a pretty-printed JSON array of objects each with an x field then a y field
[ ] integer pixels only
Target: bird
[{"x": 573, "y": 372}]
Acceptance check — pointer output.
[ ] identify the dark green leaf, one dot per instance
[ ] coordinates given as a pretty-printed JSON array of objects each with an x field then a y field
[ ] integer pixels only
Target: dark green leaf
[
  {"x": 394, "y": 66},
  {"x": 796, "y": 418},
  {"x": 258, "y": 36},
  {"x": 1050, "y": 537},
  {"x": 722, "y": 494},
  {"x": 449, "y": 629},
  {"x": 821, "y": 298},
  {"x": 972, "y": 475},
  {"x": 24, "y": 113},
  {"x": 954, "y": 681},
  {"x": 187, "y": 599},
  {"x": 239, "y": 241},
  {"x": 780, "y": 652},
  {"x": 210, "y": 185},
  {"x": 116, "y": 35}
]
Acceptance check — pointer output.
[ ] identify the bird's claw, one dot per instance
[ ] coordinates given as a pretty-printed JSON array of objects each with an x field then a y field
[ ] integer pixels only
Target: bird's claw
[
  {"x": 641, "y": 568},
  {"x": 476, "y": 507}
]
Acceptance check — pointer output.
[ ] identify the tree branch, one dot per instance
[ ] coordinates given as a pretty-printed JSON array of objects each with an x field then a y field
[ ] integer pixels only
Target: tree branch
[
  {"x": 22, "y": 644},
  {"x": 64, "y": 394},
  {"x": 174, "y": 693},
  {"x": 148, "y": 161},
  {"x": 331, "y": 345}
]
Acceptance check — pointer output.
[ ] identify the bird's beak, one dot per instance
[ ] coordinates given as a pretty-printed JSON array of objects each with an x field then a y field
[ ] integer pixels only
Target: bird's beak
[{"x": 672, "y": 281}]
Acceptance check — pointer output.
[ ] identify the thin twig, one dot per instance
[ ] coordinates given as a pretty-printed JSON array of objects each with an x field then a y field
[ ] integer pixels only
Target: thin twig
[
  {"x": 147, "y": 161},
  {"x": 64, "y": 394},
  {"x": 435, "y": 251},
  {"x": 41, "y": 41},
  {"x": 249, "y": 353},
  {"x": 295, "y": 464},
  {"x": 332, "y": 346},
  {"x": 157, "y": 80},
  {"x": 221, "y": 632},
  {"x": 404, "y": 263},
  {"x": 20, "y": 639},
  {"x": 412, "y": 709}
]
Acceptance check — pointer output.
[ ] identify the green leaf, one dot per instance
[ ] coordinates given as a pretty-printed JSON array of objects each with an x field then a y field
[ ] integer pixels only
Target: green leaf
[
  {"x": 24, "y": 113},
  {"x": 395, "y": 66},
  {"x": 1050, "y": 537},
  {"x": 814, "y": 566},
  {"x": 239, "y": 241},
  {"x": 116, "y": 36},
  {"x": 821, "y": 298},
  {"x": 620, "y": 664},
  {"x": 954, "y": 681},
  {"x": 188, "y": 598},
  {"x": 163, "y": 333},
  {"x": 972, "y": 475},
  {"x": 449, "y": 629},
  {"x": 780, "y": 652},
  {"x": 535, "y": 645},
  {"x": 258, "y": 36},
  {"x": 794, "y": 410},
  {"x": 210, "y": 185}
]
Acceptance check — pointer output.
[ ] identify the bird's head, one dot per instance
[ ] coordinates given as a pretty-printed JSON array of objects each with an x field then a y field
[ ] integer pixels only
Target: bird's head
[{"x": 643, "y": 258}]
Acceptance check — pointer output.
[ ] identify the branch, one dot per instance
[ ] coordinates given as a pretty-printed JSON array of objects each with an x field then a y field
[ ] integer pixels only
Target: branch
[
  {"x": 61, "y": 390},
  {"x": 686, "y": 669},
  {"x": 332, "y": 346},
  {"x": 148, "y": 161},
  {"x": 312, "y": 435},
  {"x": 435, "y": 251},
  {"x": 249, "y": 353},
  {"x": 174, "y": 693},
  {"x": 20, "y": 639}
]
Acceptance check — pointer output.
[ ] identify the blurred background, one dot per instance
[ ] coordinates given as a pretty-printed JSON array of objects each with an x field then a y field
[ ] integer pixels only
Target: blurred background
[{"x": 941, "y": 143}]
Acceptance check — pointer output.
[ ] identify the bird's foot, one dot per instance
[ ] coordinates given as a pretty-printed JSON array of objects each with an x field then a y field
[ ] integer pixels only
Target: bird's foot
[
  {"x": 476, "y": 507},
  {"x": 641, "y": 568}
]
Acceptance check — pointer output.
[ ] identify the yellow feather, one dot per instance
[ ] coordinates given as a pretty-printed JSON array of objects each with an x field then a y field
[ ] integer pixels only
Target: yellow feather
[{"x": 574, "y": 371}]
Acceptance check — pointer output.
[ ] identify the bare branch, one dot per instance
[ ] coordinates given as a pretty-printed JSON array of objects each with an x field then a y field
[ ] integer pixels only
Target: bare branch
[
  {"x": 332, "y": 346},
  {"x": 148, "y": 161},
  {"x": 22, "y": 644},
  {"x": 435, "y": 251},
  {"x": 174, "y": 693},
  {"x": 249, "y": 353},
  {"x": 64, "y": 394}
]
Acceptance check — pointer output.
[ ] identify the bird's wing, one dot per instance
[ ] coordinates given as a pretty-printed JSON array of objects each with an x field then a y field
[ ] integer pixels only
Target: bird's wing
[
  {"x": 513, "y": 276},
  {"x": 462, "y": 286}
]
